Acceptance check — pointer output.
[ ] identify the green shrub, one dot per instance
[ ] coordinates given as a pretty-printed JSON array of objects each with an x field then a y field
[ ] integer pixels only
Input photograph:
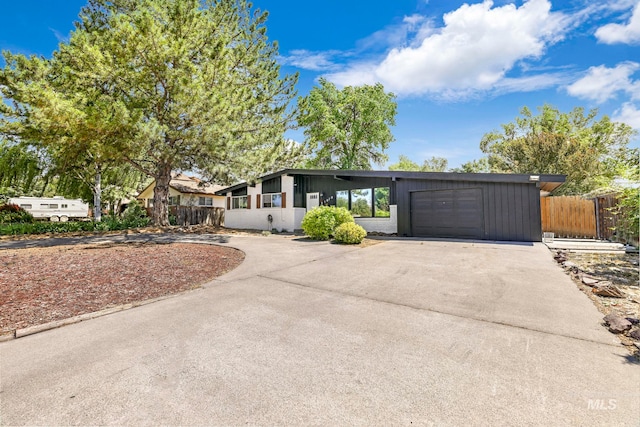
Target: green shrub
[
  {"x": 10, "y": 214},
  {"x": 349, "y": 233},
  {"x": 321, "y": 222},
  {"x": 109, "y": 223},
  {"x": 135, "y": 216},
  {"x": 628, "y": 211}
]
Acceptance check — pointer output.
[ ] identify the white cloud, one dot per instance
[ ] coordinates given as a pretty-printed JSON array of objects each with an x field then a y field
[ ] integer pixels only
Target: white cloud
[
  {"x": 629, "y": 114},
  {"x": 308, "y": 60},
  {"x": 473, "y": 51},
  {"x": 531, "y": 83},
  {"x": 602, "y": 83},
  {"x": 628, "y": 33}
]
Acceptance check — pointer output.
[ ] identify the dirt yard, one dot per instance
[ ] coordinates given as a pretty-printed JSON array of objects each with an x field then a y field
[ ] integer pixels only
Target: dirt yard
[
  {"x": 41, "y": 285},
  {"x": 617, "y": 269}
]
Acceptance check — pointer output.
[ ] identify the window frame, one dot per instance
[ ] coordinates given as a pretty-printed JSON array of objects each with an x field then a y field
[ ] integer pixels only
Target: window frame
[
  {"x": 206, "y": 200},
  {"x": 238, "y": 200},
  {"x": 339, "y": 195},
  {"x": 270, "y": 197}
]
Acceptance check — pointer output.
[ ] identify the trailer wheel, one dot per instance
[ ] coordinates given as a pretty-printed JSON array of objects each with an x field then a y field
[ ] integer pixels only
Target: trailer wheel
[
  {"x": 54, "y": 218},
  {"x": 64, "y": 218}
]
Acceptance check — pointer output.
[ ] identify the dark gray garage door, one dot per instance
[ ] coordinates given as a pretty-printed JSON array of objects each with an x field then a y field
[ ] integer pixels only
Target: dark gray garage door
[{"x": 447, "y": 213}]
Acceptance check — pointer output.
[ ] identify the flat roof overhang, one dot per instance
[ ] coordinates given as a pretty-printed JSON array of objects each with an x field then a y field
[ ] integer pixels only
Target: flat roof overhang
[{"x": 546, "y": 182}]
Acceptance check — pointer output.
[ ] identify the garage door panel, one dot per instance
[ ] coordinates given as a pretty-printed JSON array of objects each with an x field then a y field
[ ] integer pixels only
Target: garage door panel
[{"x": 447, "y": 213}]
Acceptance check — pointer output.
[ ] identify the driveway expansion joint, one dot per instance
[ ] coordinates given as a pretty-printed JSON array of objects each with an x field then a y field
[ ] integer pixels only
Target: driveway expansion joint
[{"x": 431, "y": 310}]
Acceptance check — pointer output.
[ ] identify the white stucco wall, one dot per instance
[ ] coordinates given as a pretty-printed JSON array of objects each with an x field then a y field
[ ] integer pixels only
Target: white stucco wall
[
  {"x": 288, "y": 218},
  {"x": 192, "y": 199},
  {"x": 186, "y": 199},
  {"x": 381, "y": 225}
]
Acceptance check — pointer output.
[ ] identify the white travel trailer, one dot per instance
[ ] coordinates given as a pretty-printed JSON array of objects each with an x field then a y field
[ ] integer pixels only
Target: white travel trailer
[{"x": 55, "y": 208}]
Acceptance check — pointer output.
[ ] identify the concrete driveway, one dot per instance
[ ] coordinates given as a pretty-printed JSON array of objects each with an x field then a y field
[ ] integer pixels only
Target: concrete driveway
[{"x": 398, "y": 333}]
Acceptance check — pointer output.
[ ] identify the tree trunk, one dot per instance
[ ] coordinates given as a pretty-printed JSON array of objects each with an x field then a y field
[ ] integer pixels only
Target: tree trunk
[
  {"x": 97, "y": 196},
  {"x": 161, "y": 195}
]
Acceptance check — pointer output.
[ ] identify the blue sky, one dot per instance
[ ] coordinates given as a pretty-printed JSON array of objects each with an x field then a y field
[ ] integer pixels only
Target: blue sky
[{"x": 459, "y": 69}]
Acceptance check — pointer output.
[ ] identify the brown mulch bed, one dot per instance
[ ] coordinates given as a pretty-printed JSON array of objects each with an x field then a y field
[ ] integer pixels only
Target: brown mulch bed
[{"x": 41, "y": 285}]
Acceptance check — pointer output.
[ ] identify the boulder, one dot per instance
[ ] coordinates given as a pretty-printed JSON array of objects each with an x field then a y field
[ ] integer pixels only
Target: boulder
[
  {"x": 635, "y": 334},
  {"x": 617, "y": 324}
]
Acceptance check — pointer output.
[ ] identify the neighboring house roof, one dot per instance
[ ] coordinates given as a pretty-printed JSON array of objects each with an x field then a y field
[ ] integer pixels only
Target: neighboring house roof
[
  {"x": 547, "y": 183},
  {"x": 189, "y": 185}
]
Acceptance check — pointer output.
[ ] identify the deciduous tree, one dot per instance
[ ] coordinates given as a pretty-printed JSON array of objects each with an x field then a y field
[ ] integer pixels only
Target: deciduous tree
[
  {"x": 574, "y": 144},
  {"x": 434, "y": 164},
  {"x": 348, "y": 128}
]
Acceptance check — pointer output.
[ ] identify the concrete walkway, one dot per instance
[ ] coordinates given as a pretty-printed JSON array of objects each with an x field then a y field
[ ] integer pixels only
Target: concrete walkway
[
  {"x": 585, "y": 245},
  {"x": 405, "y": 331}
]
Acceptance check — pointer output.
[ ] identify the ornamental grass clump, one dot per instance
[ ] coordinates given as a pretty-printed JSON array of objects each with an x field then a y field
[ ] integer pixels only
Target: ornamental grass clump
[
  {"x": 349, "y": 233},
  {"x": 320, "y": 223}
]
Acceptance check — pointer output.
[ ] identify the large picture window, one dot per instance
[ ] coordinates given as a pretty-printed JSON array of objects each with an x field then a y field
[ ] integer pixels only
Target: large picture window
[
  {"x": 272, "y": 200},
  {"x": 381, "y": 202},
  {"x": 342, "y": 199},
  {"x": 361, "y": 205},
  {"x": 365, "y": 202},
  {"x": 239, "y": 202}
]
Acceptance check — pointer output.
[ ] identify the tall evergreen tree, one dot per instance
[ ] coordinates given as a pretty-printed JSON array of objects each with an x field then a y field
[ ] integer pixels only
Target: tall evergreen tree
[
  {"x": 73, "y": 119},
  {"x": 161, "y": 85},
  {"x": 204, "y": 79}
]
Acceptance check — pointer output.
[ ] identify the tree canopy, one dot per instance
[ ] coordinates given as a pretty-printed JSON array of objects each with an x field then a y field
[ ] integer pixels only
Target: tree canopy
[
  {"x": 434, "y": 164},
  {"x": 74, "y": 120},
  {"x": 480, "y": 165},
  {"x": 348, "y": 128},
  {"x": 184, "y": 84},
  {"x": 574, "y": 144}
]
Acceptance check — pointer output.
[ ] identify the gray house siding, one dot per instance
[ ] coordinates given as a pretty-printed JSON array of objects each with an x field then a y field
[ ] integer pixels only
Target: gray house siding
[
  {"x": 480, "y": 206},
  {"x": 511, "y": 211},
  {"x": 328, "y": 186}
]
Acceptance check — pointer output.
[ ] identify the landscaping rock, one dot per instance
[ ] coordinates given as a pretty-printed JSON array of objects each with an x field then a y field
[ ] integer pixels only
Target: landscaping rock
[
  {"x": 589, "y": 280},
  {"x": 633, "y": 320},
  {"x": 617, "y": 324},
  {"x": 635, "y": 334},
  {"x": 606, "y": 289},
  {"x": 560, "y": 257}
]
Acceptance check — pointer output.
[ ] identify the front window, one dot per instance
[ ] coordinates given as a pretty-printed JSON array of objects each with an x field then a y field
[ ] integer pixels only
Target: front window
[
  {"x": 361, "y": 204},
  {"x": 205, "y": 201},
  {"x": 342, "y": 199},
  {"x": 365, "y": 202},
  {"x": 381, "y": 203},
  {"x": 174, "y": 200},
  {"x": 272, "y": 200},
  {"x": 239, "y": 202}
]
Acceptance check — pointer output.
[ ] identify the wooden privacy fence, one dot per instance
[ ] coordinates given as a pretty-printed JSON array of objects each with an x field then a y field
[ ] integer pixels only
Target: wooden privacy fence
[
  {"x": 574, "y": 216},
  {"x": 192, "y": 215},
  {"x": 606, "y": 218},
  {"x": 569, "y": 216}
]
